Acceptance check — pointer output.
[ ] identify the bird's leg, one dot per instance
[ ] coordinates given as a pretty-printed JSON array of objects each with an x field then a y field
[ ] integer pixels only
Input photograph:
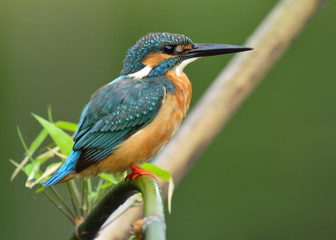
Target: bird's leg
[{"x": 138, "y": 171}]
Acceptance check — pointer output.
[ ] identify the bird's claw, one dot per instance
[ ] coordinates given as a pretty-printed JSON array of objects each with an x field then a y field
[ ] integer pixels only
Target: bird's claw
[{"x": 138, "y": 171}]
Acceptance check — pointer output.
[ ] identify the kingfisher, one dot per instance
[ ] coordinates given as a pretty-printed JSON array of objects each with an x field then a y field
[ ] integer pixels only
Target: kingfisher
[{"x": 129, "y": 120}]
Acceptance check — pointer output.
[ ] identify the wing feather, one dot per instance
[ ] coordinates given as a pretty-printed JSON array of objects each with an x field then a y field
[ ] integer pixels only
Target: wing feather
[{"x": 114, "y": 113}]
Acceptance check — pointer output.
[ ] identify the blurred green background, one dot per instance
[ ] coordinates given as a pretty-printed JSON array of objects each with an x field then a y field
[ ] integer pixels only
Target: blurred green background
[{"x": 270, "y": 174}]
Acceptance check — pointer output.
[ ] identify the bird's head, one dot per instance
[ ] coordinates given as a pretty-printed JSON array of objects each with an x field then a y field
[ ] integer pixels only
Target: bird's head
[{"x": 157, "y": 53}]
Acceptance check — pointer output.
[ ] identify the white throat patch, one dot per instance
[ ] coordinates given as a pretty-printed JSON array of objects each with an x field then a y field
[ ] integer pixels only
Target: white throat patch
[
  {"x": 179, "y": 68},
  {"x": 146, "y": 70},
  {"x": 141, "y": 73}
]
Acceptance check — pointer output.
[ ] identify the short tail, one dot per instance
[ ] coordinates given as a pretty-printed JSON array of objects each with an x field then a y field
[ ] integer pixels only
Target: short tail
[{"x": 67, "y": 167}]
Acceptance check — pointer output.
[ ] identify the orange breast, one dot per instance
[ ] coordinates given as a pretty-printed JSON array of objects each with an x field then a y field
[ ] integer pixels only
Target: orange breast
[
  {"x": 183, "y": 90},
  {"x": 147, "y": 142}
]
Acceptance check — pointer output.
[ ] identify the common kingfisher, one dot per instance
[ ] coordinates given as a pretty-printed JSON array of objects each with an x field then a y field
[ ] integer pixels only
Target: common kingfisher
[{"x": 130, "y": 119}]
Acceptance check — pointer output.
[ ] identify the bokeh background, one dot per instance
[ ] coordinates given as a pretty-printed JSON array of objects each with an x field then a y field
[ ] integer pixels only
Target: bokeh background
[{"x": 270, "y": 174}]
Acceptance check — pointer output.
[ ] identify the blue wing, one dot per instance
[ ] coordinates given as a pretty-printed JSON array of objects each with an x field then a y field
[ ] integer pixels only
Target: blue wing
[{"x": 114, "y": 113}]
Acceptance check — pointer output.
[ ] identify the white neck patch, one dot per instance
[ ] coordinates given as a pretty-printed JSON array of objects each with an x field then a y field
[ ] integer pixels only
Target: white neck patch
[
  {"x": 141, "y": 73},
  {"x": 146, "y": 70},
  {"x": 179, "y": 68}
]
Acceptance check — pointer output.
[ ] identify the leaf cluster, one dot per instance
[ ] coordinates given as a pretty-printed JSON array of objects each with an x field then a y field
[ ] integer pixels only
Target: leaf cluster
[{"x": 43, "y": 158}]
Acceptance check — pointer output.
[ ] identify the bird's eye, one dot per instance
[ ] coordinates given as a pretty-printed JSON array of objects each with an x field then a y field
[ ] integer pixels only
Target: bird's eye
[{"x": 169, "y": 49}]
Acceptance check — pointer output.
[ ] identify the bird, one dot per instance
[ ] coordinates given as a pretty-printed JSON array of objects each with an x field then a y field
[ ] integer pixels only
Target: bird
[{"x": 130, "y": 119}]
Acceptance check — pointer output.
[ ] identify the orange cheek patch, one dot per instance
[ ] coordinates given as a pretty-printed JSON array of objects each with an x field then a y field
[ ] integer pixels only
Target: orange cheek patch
[{"x": 155, "y": 59}]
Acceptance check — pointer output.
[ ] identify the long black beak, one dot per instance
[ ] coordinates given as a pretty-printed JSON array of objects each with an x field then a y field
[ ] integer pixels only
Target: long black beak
[{"x": 209, "y": 49}]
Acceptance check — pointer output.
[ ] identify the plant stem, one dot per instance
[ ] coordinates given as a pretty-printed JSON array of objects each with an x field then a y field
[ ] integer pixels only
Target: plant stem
[
  {"x": 72, "y": 199},
  {"x": 83, "y": 199},
  {"x": 87, "y": 196},
  {"x": 25, "y": 145},
  {"x": 75, "y": 190},
  {"x": 154, "y": 227},
  {"x": 154, "y": 224},
  {"x": 59, "y": 207},
  {"x": 100, "y": 192},
  {"x": 59, "y": 197}
]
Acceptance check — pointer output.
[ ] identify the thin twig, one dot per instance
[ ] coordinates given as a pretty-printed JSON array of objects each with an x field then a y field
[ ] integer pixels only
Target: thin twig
[
  {"x": 100, "y": 192},
  {"x": 87, "y": 193},
  {"x": 76, "y": 191},
  {"x": 50, "y": 114},
  {"x": 83, "y": 199},
  {"x": 72, "y": 199},
  {"x": 24, "y": 145},
  {"x": 59, "y": 207},
  {"x": 59, "y": 197},
  {"x": 56, "y": 152}
]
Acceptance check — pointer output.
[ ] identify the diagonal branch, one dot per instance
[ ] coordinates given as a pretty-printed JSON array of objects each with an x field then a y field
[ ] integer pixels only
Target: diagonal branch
[{"x": 226, "y": 94}]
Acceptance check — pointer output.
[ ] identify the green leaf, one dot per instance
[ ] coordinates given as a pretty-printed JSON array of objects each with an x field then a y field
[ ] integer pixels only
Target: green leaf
[
  {"x": 108, "y": 178},
  {"x": 39, "y": 189},
  {"x": 37, "y": 141},
  {"x": 67, "y": 125},
  {"x": 28, "y": 169},
  {"x": 106, "y": 185},
  {"x": 63, "y": 140},
  {"x": 24, "y": 144},
  {"x": 159, "y": 172},
  {"x": 30, "y": 151},
  {"x": 32, "y": 168}
]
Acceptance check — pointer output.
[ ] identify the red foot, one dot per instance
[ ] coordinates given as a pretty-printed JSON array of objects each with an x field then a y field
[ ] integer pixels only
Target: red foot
[{"x": 138, "y": 171}]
